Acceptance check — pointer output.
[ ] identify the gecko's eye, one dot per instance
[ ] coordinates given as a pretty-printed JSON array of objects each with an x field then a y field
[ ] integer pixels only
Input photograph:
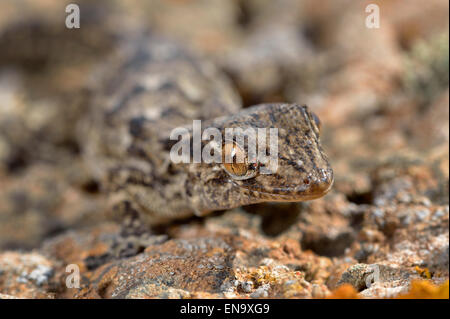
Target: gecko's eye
[
  {"x": 316, "y": 121},
  {"x": 235, "y": 162}
]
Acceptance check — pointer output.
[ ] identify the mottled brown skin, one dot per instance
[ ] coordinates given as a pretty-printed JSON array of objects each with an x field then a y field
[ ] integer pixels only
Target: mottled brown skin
[{"x": 159, "y": 86}]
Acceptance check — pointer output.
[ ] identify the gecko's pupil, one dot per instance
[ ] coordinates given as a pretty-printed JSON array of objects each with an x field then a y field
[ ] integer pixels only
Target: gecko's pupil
[{"x": 238, "y": 164}]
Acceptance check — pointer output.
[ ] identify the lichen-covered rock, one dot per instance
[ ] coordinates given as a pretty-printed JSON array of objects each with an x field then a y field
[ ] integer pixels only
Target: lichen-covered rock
[
  {"x": 27, "y": 275},
  {"x": 173, "y": 269}
]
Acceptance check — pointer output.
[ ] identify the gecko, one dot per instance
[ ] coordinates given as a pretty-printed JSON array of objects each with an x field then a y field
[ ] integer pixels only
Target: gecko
[{"x": 157, "y": 85}]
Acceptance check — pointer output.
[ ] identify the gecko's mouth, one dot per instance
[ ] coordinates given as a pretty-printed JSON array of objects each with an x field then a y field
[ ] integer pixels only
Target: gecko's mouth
[{"x": 294, "y": 193}]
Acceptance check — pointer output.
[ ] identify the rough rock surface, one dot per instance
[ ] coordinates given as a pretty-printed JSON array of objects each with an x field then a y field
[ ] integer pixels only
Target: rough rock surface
[{"x": 381, "y": 94}]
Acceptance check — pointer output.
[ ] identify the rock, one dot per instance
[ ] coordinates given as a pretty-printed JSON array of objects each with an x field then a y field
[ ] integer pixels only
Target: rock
[
  {"x": 362, "y": 276},
  {"x": 261, "y": 292},
  {"x": 27, "y": 275},
  {"x": 175, "y": 268},
  {"x": 30, "y": 206}
]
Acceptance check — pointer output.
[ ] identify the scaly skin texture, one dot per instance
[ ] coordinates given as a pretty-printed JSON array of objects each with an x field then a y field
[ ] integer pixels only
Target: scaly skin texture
[{"x": 158, "y": 86}]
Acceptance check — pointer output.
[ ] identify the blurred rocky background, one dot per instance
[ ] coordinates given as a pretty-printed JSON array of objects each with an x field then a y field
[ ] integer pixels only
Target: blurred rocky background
[{"x": 383, "y": 99}]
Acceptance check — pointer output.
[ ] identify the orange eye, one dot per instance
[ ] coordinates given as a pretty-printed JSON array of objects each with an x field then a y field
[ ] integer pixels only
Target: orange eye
[{"x": 234, "y": 160}]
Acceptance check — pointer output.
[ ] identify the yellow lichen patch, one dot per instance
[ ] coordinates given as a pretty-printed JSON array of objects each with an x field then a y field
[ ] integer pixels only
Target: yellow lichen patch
[
  {"x": 263, "y": 275},
  {"x": 423, "y": 272},
  {"x": 293, "y": 290},
  {"x": 346, "y": 291},
  {"x": 424, "y": 289}
]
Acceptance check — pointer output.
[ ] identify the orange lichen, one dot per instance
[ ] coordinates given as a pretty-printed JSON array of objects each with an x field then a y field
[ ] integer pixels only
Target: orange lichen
[
  {"x": 262, "y": 276},
  {"x": 293, "y": 290},
  {"x": 346, "y": 291},
  {"x": 423, "y": 272},
  {"x": 423, "y": 289}
]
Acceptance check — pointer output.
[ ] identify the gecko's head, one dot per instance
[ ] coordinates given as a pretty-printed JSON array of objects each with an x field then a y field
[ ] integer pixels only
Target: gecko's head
[{"x": 298, "y": 171}]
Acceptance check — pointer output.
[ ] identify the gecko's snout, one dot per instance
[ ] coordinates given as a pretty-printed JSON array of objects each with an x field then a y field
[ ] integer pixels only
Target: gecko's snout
[{"x": 318, "y": 186}]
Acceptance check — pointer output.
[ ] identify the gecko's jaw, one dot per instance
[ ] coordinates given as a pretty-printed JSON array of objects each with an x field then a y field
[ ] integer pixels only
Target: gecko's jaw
[{"x": 303, "y": 191}]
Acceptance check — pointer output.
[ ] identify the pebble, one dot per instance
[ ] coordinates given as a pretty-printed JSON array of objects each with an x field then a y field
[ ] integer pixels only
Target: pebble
[{"x": 261, "y": 292}]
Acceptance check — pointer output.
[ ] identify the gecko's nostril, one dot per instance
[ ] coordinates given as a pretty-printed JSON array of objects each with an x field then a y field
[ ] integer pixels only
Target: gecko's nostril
[
  {"x": 324, "y": 183},
  {"x": 317, "y": 186}
]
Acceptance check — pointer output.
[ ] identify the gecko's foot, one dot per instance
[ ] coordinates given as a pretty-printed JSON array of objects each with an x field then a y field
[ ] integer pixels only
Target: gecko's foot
[
  {"x": 124, "y": 246},
  {"x": 131, "y": 239},
  {"x": 134, "y": 236}
]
